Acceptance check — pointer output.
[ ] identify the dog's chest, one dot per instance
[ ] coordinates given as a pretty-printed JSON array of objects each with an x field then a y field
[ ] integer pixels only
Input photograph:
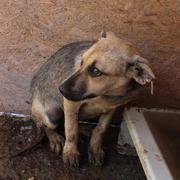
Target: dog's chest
[{"x": 95, "y": 107}]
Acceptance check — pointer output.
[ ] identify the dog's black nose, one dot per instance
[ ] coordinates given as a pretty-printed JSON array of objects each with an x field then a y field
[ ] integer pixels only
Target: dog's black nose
[
  {"x": 62, "y": 89},
  {"x": 66, "y": 91}
]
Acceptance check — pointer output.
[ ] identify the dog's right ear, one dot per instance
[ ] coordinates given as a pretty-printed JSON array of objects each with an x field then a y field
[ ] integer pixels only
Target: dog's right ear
[
  {"x": 140, "y": 71},
  {"x": 103, "y": 34}
]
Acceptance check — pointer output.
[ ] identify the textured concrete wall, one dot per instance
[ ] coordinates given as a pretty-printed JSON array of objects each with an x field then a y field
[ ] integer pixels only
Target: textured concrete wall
[{"x": 31, "y": 31}]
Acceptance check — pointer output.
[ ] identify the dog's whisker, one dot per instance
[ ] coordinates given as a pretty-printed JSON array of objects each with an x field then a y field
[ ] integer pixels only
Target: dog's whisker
[{"x": 152, "y": 88}]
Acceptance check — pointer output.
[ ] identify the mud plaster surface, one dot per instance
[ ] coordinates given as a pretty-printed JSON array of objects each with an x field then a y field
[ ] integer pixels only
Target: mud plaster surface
[{"x": 31, "y": 31}]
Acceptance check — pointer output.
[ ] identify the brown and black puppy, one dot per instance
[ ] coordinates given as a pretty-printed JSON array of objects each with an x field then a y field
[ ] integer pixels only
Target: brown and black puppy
[{"x": 94, "y": 78}]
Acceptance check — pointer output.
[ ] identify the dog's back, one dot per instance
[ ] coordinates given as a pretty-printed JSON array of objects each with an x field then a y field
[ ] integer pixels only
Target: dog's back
[{"x": 58, "y": 67}]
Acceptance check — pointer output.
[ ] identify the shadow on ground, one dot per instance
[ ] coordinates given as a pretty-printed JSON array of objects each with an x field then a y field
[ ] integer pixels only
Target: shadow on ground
[{"x": 20, "y": 161}]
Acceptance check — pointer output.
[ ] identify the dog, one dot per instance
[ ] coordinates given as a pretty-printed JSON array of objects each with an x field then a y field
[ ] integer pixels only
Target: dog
[{"x": 85, "y": 80}]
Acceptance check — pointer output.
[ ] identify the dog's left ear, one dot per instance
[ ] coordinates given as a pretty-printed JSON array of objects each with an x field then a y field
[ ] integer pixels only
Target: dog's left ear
[
  {"x": 105, "y": 34},
  {"x": 140, "y": 70}
]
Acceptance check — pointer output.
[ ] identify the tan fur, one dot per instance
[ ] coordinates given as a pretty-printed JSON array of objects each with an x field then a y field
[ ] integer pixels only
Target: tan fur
[
  {"x": 56, "y": 141},
  {"x": 96, "y": 107},
  {"x": 111, "y": 56},
  {"x": 70, "y": 151},
  {"x": 39, "y": 112},
  {"x": 96, "y": 153},
  {"x": 107, "y": 53},
  {"x": 70, "y": 72}
]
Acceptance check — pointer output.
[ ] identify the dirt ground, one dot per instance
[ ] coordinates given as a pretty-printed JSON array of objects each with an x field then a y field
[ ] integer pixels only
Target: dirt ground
[{"x": 20, "y": 162}]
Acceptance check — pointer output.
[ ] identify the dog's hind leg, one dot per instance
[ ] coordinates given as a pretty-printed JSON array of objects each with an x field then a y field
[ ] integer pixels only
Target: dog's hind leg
[
  {"x": 96, "y": 152},
  {"x": 48, "y": 118}
]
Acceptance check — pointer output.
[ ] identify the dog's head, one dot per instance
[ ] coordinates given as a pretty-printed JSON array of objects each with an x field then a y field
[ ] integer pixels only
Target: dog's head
[{"x": 110, "y": 67}]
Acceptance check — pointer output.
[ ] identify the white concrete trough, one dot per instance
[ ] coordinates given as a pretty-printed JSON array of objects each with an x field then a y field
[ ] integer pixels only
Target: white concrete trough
[{"x": 156, "y": 137}]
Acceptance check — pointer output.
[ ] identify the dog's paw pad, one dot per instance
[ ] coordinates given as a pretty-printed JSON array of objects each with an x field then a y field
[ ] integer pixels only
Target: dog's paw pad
[
  {"x": 56, "y": 143},
  {"x": 96, "y": 158},
  {"x": 71, "y": 159}
]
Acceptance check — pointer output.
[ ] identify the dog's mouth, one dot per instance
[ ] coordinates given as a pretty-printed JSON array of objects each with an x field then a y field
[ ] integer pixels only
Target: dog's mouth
[
  {"x": 90, "y": 96},
  {"x": 78, "y": 97}
]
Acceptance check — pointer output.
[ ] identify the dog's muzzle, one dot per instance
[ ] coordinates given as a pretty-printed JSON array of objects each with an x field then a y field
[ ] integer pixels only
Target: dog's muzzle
[
  {"x": 68, "y": 94},
  {"x": 74, "y": 96}
]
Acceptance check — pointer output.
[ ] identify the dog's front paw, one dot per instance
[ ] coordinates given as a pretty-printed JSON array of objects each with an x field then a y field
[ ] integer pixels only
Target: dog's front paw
[
  {"x": 96, "y": 157},
  {"x": 56, "y": 142},
  {"x": 71, "y": 157}
]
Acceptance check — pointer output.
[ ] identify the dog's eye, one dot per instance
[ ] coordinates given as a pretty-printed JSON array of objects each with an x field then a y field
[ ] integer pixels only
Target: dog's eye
[{"x": 94, "y": 72}]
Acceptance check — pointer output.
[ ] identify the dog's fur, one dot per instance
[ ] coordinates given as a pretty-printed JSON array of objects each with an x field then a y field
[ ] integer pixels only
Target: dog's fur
[{"x": 94, "y": 78}]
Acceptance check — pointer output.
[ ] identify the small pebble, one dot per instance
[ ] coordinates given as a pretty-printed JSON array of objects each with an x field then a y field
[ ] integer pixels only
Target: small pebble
[{"x": 31, "y": 178}]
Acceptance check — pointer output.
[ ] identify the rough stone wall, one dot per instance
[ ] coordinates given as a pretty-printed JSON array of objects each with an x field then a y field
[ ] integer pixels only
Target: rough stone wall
[{"x": 31, "y": 31}]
